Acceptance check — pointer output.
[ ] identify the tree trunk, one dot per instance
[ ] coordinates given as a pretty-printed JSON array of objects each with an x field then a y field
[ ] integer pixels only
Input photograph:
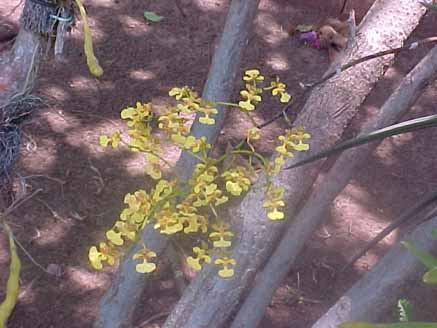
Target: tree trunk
[
  {"x": 18, "y": 66},
  {"x": 209, "y": 300},
  {"x": 118, "y": 304},
  {"x": 311, "y": 215},
  {"x": 374, "y": 294}
]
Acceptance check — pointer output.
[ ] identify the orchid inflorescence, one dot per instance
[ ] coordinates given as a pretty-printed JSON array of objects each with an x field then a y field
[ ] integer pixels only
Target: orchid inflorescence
[{"x": 194, "y": 207}]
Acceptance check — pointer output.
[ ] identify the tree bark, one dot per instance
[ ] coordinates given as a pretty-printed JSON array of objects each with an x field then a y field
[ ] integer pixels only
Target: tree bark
[
  {"x": 312, "y": 214},
  {"x": 374, "y": 294},
  {"x": 18, "y": 66},
  {"x": 118, "y": 304},
  {"x": 209, "y": 300}
]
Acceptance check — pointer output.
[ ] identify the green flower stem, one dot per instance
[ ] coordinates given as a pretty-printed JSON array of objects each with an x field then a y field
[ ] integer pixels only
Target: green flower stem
[
  {"x": 251, "y": 153},
  {"x": 149, "y": 152},
  {"x": 195, "y": 155},
  {"x": 224, "y": 103},
  {"x": 226, "y": 155},
  {"x": 213, "y": 210}
]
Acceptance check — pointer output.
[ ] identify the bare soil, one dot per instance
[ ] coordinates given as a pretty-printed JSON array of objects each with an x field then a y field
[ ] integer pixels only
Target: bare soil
[{"x": 83, "y": 185}]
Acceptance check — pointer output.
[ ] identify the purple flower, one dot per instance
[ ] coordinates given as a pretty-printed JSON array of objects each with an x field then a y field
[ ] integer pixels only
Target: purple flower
[{"x": 311, "y": 38}]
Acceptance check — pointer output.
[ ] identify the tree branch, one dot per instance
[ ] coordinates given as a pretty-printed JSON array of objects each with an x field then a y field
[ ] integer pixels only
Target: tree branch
[
  {"x": 312, "y": 213},
  {"x": 378, "y": 290},
  {"x": 118, "y": 304},
  {"x": 209, "y": 300}
]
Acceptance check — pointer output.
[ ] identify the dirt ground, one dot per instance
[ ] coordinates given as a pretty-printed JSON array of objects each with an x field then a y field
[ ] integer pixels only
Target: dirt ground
[{"x": 83, "y": 185}]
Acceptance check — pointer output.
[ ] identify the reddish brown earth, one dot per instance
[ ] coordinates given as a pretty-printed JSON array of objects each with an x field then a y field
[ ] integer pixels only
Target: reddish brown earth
[{"x": 60, "y": 155}]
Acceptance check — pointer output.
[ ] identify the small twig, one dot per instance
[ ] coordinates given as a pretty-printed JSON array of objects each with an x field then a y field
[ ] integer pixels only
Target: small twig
[
  {"x": 153, "y": 318},
  {"x": 178, "y": 5},
  {"x": 57, "y": 180},
  {"x": 18, "y": 202},
  {"x": 98, "y": 177},
  {"x": 61, "y": 182},
  {"x": 277, "y": 116},
  {"x": 54, "y": 213},
  {"x": 8, "y": 211},
  {"x": 30, "y": 256},
  {"x": 299, "y": 298},
  {"x": 406, "y": 216}
]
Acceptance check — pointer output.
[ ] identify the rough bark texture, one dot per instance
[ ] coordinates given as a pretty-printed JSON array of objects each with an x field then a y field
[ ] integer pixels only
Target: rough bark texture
[
  {"x": 118, "y": 304},
  {"x": 374, "y": 294},
  {"x": 312, "y": 214},
  {"x": 209, "y": 300},
  {"x": 18, "y": 66}
]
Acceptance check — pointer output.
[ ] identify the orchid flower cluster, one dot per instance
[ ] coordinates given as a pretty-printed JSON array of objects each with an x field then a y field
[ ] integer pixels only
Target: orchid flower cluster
[{"x": 173, "y": 207}]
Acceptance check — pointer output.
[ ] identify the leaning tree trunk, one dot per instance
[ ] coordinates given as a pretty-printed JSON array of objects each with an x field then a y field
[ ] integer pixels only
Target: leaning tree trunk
[
  {"x": 118, "y": 304},
  {"x": 209, "y": 300},
  {"x": 312, "y": 213},
  {"x": 378, "y": 290},
  {"x": 18, "y": 68}
]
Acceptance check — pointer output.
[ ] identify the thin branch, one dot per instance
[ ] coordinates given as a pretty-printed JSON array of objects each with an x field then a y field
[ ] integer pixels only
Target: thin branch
[
  {"x": 407, "y": 215},
  {"x": 18, "y": 202},
  {"x": 408, "y": 46},
  {"x": 311, "y": 86}
]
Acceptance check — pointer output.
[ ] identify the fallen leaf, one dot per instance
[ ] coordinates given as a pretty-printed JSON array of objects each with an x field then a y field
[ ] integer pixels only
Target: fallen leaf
[{"x": 152, "y": 16}]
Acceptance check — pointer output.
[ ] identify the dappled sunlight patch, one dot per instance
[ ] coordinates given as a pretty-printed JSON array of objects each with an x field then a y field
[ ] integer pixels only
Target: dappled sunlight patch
[
  {"x": 142, "y": 75},
  {"x": 106, "y": 3},
  {"x": 366, "y": 220},
  {"x": 136, "y": 163},
  {"x": 60, "y": 121},
  {"x": 87, "y": 280},
  {"x": 88, "y": 139},
  {"x": 85, "y": 84},
  {"x": 56, "y": 92},
  {"x": 402, "y": 139},
  {"x": 27, "y": 294},
  {"x": 278, "y": 62},
  {"x": 269, "y": 30},
  {"x": 369, "y": 260},
  {"x": 45, "y": 158},
  {"x": 385, "y": 153},
  {"x": 97, "y": 31},
  {"x": 210, "y": 5},
  {"x": 134, "y": 26},
  {"x": 52, "y": 233}
]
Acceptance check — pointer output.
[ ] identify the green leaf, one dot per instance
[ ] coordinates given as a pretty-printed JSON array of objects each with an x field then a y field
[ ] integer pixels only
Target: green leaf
[
  {"x": 426, "y": 258},
  {"x": 434, "y": 233},
  {"x": 405, "y": 310},
  {"x": 12, "y": 286},
  {"x": 152, "y": 16},
  {"x": 430, "y": 277},
  {"x": 404, "y": 127}
]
